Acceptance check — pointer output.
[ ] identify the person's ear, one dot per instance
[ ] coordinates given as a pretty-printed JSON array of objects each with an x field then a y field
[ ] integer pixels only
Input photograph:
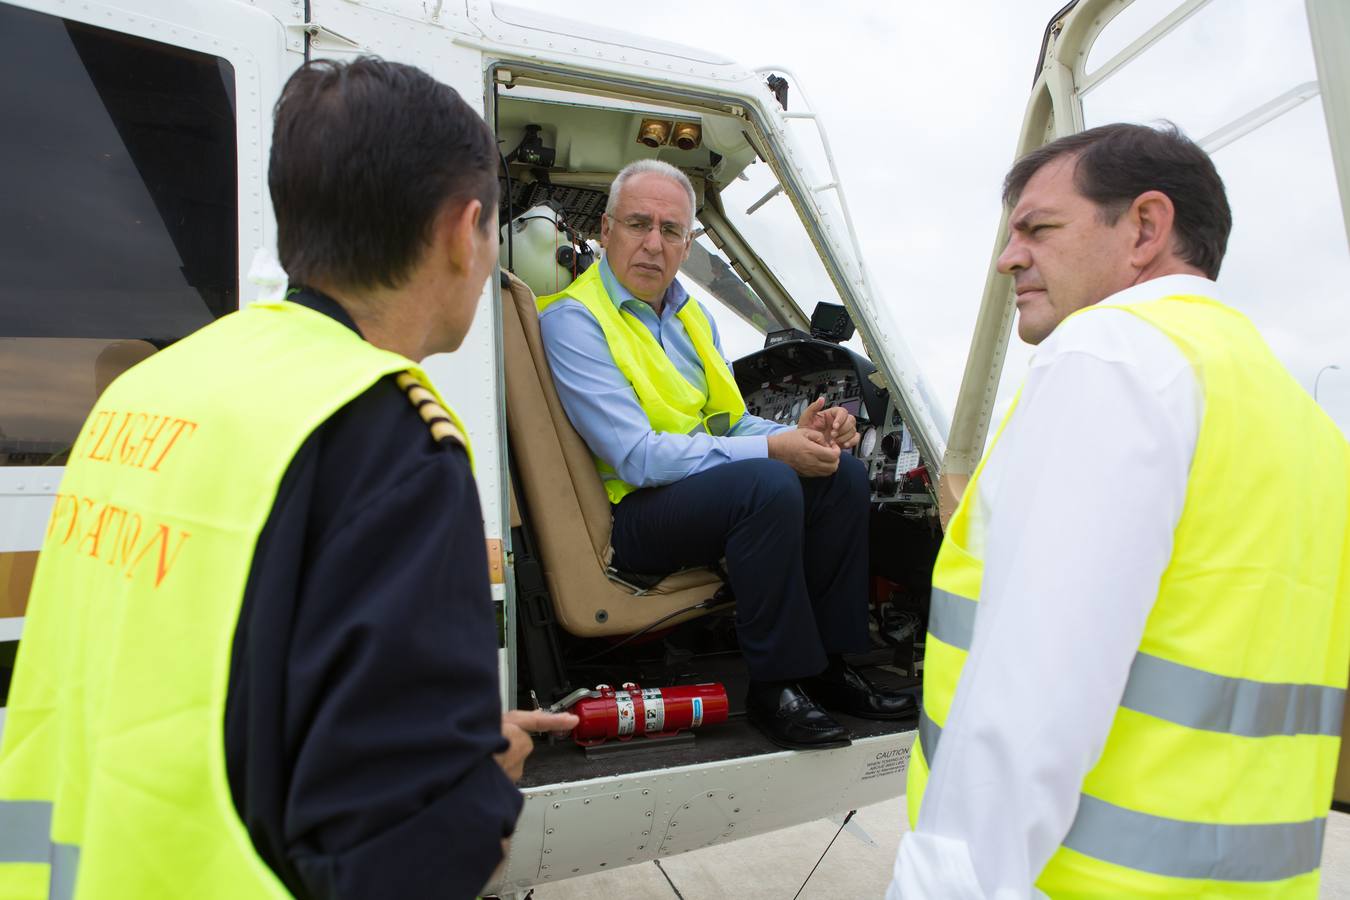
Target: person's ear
[
  {"x": 460, "y": 231},
  {"x": 1151, "y": 218}
]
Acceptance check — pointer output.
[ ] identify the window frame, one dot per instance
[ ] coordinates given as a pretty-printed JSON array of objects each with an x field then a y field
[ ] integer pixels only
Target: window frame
[{"x": 263, "y": 56}]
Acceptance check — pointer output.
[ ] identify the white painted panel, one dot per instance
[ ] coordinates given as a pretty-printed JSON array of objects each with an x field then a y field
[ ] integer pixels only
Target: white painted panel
[
  {"x": 26, "y": 497},
  {"x": 563, "y": 832},
  {"x": 10, "y": 629}
]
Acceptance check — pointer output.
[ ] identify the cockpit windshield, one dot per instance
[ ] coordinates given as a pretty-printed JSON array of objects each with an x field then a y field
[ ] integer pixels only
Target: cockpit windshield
[
  {"x": 708, "y": 274},
  {"x": 756, "y": 207}
]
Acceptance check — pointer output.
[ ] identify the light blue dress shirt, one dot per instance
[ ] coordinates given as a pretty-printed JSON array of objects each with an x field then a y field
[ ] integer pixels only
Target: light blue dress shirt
[{"x": 604, "y": 408}]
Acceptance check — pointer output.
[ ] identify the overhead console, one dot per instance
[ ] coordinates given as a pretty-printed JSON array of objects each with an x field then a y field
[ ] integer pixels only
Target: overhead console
[{"x": 780, "y": 381}]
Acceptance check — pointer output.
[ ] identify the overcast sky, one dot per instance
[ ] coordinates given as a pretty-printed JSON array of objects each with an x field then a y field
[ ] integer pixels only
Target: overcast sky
[{"x": 923, "y": 103}]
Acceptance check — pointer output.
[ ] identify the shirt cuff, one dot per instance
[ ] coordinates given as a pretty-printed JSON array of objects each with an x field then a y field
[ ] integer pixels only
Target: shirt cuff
[
  {"x": 749, "y": 446},
  {"x": 931, "y": 866}
]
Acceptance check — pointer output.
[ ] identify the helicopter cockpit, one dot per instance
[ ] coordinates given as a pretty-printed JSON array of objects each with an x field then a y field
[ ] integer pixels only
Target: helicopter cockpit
[{"x": 753, "y": 265}]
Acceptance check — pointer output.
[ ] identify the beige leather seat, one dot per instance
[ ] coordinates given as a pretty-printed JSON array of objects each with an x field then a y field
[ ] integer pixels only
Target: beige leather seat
[{"x": 568, "y": 508}]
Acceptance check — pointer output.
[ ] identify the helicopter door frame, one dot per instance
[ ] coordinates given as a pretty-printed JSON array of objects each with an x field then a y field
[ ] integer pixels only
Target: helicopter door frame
[
  {"x": 1055, "y": 110},
  {"x": 831, "y": 231}
]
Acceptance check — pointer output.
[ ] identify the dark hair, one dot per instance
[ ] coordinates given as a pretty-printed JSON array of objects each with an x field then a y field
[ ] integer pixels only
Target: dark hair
[
  {"x": 1117, "y": 163},
  {"x": 365, "y": 154}
]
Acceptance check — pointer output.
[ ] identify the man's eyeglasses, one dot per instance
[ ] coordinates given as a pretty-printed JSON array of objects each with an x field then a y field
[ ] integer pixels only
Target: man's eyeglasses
[{"x": 640, "y": 227}]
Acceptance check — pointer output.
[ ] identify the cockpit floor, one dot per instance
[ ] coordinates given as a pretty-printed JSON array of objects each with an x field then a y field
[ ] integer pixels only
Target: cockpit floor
[{"x": 563, "y": 761}]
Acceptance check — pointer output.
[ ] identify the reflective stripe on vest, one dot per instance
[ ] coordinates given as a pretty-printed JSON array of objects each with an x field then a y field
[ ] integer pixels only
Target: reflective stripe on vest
[
  {"x": 1169, "y": 846},
  {"x": 930, "y": 733},
  {"x": 671, "y": 404},
  {"x": 951, "y": 618},
  {"x": 1218, "y": 766},
  {"x": 1175, "y": 849},
  {"x": 1209, "y": 702},
  {"x": 112, "y": 760},
  {"x": 1181, "y": 694},
  {"x": 25, "y": 828},
  {"x": 65, "y": 866}
]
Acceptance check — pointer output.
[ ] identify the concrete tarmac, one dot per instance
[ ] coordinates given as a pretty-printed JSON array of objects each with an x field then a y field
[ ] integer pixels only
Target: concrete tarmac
[{"x": 773, "y": 866}]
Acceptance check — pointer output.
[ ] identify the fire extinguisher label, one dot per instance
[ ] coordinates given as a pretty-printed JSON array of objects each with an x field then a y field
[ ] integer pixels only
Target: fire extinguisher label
[
  {"x": 655, "y": 708},
  {"x": 624, "y": 702},
  {"x": 698, "y": 713}
]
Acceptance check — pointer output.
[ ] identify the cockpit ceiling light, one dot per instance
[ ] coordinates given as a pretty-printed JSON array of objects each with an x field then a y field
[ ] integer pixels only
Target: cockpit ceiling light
[
  {"x": 653, "y": 132},
  {"x": 663, "y": 132},
  {"x": 687, "y": 136}
]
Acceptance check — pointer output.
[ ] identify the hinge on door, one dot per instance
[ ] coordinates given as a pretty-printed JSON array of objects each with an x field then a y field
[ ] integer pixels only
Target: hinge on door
[
  {"x": 319, "y": 36},
  {"x": 496, "y": 561}
]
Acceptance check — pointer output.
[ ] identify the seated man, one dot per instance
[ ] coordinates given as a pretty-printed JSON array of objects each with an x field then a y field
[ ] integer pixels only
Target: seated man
[{"x": 693, "y": 478}]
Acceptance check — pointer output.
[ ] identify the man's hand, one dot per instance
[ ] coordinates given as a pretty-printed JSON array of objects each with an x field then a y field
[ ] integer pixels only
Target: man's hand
[
  {"x": 835, "y": 425},
  {"x": 517, "y": 724},
  {"x": 806, "y": 451}
]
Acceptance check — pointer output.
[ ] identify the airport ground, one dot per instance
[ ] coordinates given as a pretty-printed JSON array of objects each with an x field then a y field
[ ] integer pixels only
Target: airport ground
[{"x": 773, "y": 866}]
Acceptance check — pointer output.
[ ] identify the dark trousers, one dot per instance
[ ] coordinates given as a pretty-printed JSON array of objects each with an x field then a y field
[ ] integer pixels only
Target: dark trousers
[{"x": 796, "y": 552}]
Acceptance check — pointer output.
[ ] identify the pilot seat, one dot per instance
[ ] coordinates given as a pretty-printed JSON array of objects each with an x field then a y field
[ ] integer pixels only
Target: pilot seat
[{"x": 568, "y": 509}]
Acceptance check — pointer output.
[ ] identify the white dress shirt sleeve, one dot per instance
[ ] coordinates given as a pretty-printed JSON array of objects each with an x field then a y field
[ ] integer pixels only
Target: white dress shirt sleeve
[{"x": 1082, "y": 495}]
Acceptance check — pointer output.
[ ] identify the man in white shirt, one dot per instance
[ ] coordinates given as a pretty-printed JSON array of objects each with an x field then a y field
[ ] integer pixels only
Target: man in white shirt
[{"x": 1082, "y": 511}]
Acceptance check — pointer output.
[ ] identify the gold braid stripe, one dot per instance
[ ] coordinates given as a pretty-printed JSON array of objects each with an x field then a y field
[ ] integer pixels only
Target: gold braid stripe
[{"x": 442, "y": 427}]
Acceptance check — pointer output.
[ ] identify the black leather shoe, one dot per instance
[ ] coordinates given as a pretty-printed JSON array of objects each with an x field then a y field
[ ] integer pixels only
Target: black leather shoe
[
  {"x": 844, "y": 689},
  {"x": 791, "y": 719}
]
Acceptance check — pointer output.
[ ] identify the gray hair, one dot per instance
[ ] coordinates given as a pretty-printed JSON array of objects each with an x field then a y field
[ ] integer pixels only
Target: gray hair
[{"x": 650, "y": 167}]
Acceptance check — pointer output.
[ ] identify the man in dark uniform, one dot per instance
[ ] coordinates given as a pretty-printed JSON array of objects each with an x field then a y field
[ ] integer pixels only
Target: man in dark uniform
[
  {"x": 363, "y": 718},
  {"x": 281, "y": 616}
]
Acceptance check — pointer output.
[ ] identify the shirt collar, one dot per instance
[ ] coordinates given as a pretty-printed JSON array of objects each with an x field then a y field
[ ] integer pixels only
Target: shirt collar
[
  {"x": 320, "y": 302},
  {"x": 1166, "y": 286},
  {"x": 676, "y": 295}
]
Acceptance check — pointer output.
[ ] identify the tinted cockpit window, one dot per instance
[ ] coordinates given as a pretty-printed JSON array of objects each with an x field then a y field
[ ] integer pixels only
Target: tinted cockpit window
[{"x": 118, "y": 215}]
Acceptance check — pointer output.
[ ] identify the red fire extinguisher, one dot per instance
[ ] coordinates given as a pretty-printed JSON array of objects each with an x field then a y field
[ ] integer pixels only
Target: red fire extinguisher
[{"x": 655, "y": 712}]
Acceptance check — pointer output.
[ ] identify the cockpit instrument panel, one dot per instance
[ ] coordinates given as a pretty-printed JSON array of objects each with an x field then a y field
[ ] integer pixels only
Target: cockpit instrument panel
[{"x": 780, "y": 381}]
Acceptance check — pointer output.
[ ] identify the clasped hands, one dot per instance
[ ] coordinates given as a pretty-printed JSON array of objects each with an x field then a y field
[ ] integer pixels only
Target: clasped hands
[{"x": 813, "y": 447}]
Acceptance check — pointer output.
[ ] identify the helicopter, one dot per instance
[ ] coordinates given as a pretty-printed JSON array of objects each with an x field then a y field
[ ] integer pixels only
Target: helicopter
[{"x": 775, "y": 255}]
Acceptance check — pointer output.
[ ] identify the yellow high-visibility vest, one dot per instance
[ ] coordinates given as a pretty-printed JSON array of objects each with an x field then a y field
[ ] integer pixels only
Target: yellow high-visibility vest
[
  {"x": 671, "y": 403},
  {"x": 112, "y": 769},
  {"x": 1216, "y": 776}
]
